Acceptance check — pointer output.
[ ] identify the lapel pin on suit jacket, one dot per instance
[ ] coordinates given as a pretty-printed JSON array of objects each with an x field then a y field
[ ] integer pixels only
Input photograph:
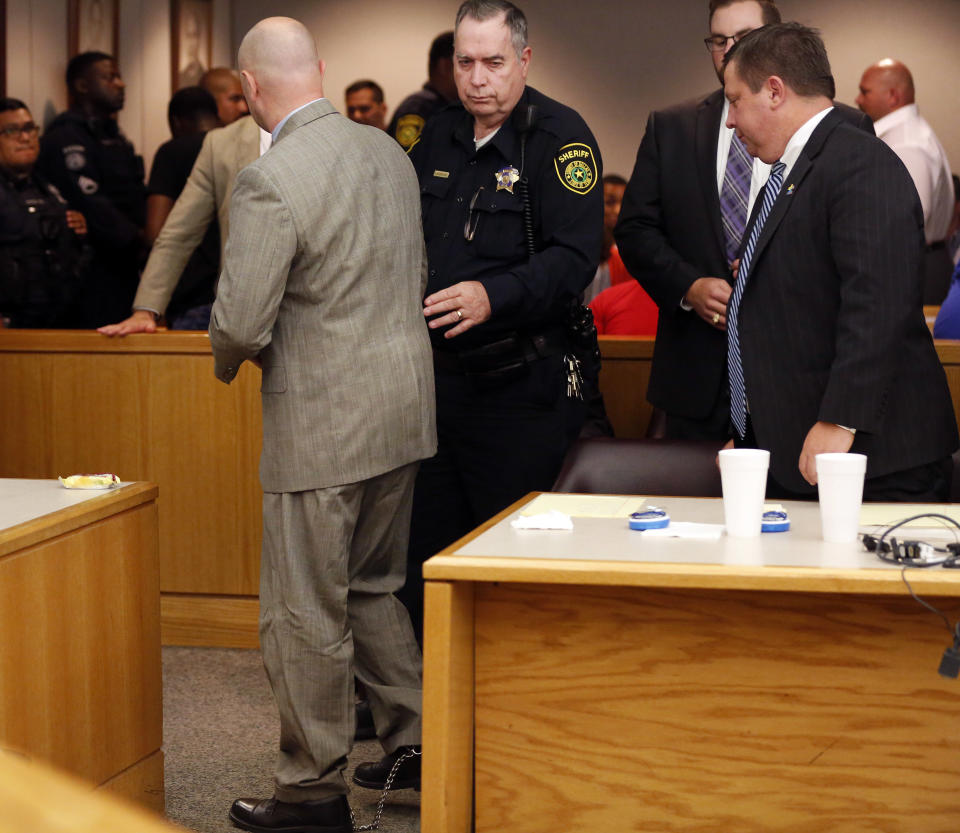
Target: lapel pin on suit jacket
[{"x": 792, "y": 188}]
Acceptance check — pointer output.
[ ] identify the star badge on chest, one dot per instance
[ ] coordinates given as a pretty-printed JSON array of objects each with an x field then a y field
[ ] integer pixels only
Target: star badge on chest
[{"x": 506, "y": 177}]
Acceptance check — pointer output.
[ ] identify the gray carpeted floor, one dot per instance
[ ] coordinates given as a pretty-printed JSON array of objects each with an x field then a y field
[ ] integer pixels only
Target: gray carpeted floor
[{"x": 220, "y": 732}]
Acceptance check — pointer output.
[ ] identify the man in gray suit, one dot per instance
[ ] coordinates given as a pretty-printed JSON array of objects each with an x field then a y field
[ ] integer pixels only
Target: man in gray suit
[{"x": 321, "y": 286}]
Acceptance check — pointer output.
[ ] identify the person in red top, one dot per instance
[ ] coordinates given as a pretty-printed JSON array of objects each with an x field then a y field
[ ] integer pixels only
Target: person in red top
[{"x": 624, "y": 309}]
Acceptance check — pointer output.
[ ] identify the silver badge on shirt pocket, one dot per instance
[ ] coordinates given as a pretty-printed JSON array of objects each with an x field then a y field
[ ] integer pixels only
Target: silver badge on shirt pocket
[{"x": 74, "y": 161}]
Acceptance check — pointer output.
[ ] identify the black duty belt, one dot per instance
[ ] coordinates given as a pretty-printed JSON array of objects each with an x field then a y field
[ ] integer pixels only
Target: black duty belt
[{"x": 503, "y": 354}]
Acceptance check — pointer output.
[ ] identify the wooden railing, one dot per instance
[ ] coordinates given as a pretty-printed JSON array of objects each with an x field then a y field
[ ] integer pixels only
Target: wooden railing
[{"x": 147, "y": 407}]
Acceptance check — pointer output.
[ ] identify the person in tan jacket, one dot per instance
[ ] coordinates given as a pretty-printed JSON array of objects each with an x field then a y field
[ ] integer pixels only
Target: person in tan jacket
[{"x": 206, "y": 195}]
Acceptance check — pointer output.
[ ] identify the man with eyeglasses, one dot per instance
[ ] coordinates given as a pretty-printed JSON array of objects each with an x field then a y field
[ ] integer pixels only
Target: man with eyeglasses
[
  {"x": 87, "y": 157},
  {"x": 42, "y": 254},
  {"x": 512, "y": 203},
  {"x": 680, "y": 226}
]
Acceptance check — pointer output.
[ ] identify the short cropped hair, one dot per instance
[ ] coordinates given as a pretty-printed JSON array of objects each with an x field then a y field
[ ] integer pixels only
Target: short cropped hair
[
  {"x": 80, "y": 64},
  {"x": 791, "y": 51},
  {"x": 515, "y": 19},
  {"x": 442, "y": 47},
  {"x": 8, "y": 104},
  {"x": 192, "y": 103},
  {"x": 366, "y": 84},
  {"x": 768, "y": 8}
]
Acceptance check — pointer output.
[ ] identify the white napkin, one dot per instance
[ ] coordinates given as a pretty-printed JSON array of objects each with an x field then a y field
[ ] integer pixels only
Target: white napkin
[
  {"x": 705, "y": 532},
  {"x": 548, "y": 520}
]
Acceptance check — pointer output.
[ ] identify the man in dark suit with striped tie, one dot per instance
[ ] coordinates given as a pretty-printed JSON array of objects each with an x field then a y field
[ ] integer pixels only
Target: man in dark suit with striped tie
[{"x": 828, "y": 349}]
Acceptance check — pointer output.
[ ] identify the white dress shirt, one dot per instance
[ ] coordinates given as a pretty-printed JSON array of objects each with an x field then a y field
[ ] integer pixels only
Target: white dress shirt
[{"x": 913, "y": 140}]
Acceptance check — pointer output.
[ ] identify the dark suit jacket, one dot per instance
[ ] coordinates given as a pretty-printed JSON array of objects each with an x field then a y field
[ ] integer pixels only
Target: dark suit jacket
[
  {"x": 669, "y": 235},
  {"x": 831, "y": 321}
]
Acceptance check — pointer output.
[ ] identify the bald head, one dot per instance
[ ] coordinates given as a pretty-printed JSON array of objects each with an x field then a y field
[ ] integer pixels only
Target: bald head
[
  {"x": 224, "y": 85},
  {"x": 280, "y": 69},
  {"x": 885, "y": 86}
]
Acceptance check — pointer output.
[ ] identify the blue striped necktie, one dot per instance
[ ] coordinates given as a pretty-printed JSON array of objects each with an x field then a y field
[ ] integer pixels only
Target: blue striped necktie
[
  {"x": 738, "y": 388},
  {"x": 735, "y": 195}
]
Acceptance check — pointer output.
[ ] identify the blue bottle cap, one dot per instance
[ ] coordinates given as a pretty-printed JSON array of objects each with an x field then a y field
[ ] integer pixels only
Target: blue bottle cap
[
  {"x": 774, "y": 522},
  {"x": 650, "y": 518}
]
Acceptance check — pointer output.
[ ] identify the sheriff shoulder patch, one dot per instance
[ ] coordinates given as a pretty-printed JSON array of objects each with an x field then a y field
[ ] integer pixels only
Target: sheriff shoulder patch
[
  {"x": 575, "y": 167},
  {"x": 408, "y": 130}
]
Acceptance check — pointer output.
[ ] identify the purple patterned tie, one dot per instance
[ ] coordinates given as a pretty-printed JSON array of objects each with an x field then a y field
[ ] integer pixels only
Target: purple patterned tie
[{"x": 734, "y": 195}]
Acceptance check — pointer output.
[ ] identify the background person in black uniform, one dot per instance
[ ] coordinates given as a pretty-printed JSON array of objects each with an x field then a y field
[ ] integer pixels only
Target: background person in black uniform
[
  {"x": 191, "y": 113},
  {"x": 42, "y": 255},
  {"x": 496, "y": 314},
  {"x": 414, "y": 111},
  {"x": 86, "y": 156}
]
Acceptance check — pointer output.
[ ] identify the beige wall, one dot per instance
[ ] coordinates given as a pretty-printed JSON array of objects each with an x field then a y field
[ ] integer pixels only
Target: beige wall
[
  {"x": 37, "y": 61},
  {"x": 615, "y": 61}
]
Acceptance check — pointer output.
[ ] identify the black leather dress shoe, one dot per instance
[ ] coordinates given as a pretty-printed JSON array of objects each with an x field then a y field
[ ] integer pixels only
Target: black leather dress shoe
[
  {"x": 374, "y": 775},
  {"x": 268, "y": 815},
  {"x": 365, "y": 728}
]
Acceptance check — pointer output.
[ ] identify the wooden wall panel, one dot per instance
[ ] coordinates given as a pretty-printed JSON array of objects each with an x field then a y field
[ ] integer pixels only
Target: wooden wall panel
[
  {"x": 147, "y": 408},
  {"x": 626, "y": 374}
]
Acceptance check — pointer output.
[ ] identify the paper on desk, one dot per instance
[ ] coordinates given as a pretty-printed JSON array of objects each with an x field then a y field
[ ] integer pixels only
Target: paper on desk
[
  {"x": 887, "y": 514},
  {"x": 584, "y": 506},
  {"x": 546, "y": 520},
  {"x": 705, "y": 532}
]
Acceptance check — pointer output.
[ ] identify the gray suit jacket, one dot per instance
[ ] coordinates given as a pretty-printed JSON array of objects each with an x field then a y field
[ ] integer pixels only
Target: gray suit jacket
[
  {"x": 206, "y": 195},
  {"x": 323, "y": 278}
]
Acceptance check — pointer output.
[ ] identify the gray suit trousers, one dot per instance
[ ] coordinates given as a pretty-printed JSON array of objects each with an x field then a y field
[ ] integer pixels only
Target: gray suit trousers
[{"x": 332, "y": 559}]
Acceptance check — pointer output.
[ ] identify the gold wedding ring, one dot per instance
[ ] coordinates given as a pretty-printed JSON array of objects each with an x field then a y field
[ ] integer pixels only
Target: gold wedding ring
[
  {"x": 459, "y": 314},
  {"x": 716, "y": 318}
]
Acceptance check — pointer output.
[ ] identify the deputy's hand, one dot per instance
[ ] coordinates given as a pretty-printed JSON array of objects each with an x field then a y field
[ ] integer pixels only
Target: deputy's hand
[
  {"x": 708, "y": 297},
  {"x": 141, "y": 321},
  {"x": 824, "y": 437},
  {"x": 77, "y": 222},
  {"x": 464, "y": 304}
]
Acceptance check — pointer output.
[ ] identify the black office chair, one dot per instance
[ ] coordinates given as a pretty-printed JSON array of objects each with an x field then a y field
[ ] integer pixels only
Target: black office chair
[{"x": 685, "y": 468}]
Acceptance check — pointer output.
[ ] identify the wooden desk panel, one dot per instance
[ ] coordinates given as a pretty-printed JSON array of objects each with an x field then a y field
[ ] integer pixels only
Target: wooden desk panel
[
  {"x": 80, "y": 673},
  {"x": 635, "y": 709}
]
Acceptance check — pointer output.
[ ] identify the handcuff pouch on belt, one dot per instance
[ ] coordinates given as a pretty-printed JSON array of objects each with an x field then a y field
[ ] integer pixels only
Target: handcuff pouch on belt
[{"x": 504, "y": 360}]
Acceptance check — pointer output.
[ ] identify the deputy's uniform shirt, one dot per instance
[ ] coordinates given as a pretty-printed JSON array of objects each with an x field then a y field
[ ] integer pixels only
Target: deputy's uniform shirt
[
  {"x": 470, "y": 193},
  {"x": 413, "y": 113},
  {"x": 42, "y": 260},
  {"x": 97, "y": 171}
]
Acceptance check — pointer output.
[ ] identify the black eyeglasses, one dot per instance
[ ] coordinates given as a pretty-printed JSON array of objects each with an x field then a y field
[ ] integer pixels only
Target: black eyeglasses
[
  {"x": 473, "y": 217},
  {"x": 717, "y": 43},
  {"x": 26, "y": 130}
]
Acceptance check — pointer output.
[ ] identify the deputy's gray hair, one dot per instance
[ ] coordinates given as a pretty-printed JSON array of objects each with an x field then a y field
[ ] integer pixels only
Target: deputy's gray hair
[{"x": 515, "y": 19}]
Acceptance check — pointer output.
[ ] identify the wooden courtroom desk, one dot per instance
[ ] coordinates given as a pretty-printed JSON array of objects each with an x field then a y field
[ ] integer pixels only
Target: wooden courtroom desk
[
  {"x": 148, "y": 407},
  {"x": 595, "y": 680},
  {"x": 80, "y": 676}
]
